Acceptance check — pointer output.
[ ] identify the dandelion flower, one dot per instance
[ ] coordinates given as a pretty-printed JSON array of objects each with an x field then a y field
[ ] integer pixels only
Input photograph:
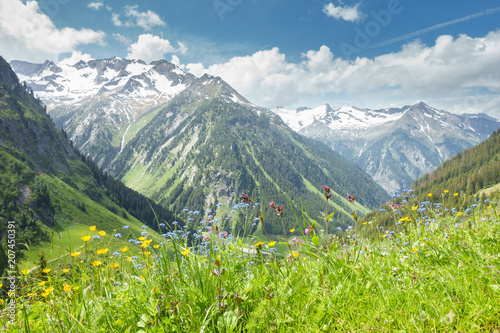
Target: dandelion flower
[
  {"x": 141, "y": 238},
  {"x": 96, "y": 263},
  {"x": 271, "y": 244},
  {"x": 185, "y": 252},
  {"x": 102, "y": 233},
  {"x": 146, "y": 243},
  {"x": 75, "y": 254},
  {"x": 26, "y": 271},
  {"x": 292, "y": 230},
  {"x": 124, "y": 249},
  {"x": 429, "y": 195},
  {"x": 46, "y": 270},
  {"x": 67, "y": 287},
  {"x": 446, "y": 191},
  {"x": 259, "y": 244},
  {"x": 296, "y": 254},
  {"x": 156, "y": 246},
  {"x": 86, "y": 238},
  {"x": 459, "y": 214},
  {"x": 456, "y": 194},
  {"x": 92, "y": 228}
]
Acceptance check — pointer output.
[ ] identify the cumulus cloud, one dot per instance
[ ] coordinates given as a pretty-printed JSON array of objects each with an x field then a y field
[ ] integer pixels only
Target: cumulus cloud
[
  {"x": 27, "y": 33},
  {"x": 150, "y": 47},
  {"x": 75, "y": 57},
  {"x": 146, "y": 20},
  {"x": 346, "y": 13},
  {"x": 453, "y": 68},
  {"x": 95, "y": 5}
]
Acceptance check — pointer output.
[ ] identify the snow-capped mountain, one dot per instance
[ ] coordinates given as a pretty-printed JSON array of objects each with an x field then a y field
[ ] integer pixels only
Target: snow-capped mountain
[
  {"x": 395, "y": 146},
  {"x": 98, "y": 101},
  {"x": 190, "y": 142}
]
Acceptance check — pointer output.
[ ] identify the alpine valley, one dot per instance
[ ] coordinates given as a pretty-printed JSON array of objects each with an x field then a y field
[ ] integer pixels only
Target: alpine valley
[
  {"x": 395, "y": 146},
  {"x": 192, "y": 143}
]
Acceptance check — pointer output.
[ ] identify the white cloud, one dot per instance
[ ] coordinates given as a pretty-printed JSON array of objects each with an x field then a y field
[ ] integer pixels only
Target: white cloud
[
  {"x": 27, "y": 33},
  {"x": 352, "y": 14},
  {"x": 149, "y": 48},
  {"x": 447, "y": 73},
  {"x": 146, "y": 20},
  {"x": 122, "y": 39},
  {"x": 95, "y": 5},
  {"x": 75, "y": 57}
]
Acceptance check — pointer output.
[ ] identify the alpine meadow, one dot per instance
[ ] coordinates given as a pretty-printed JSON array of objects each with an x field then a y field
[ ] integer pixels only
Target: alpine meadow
[{"x": 249, "y": 166}]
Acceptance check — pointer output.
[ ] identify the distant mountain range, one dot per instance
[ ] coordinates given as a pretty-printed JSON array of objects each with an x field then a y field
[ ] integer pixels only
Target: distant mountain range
[
  {"x": 191, "y": 142},
  {"x": 394, "y": 146}
]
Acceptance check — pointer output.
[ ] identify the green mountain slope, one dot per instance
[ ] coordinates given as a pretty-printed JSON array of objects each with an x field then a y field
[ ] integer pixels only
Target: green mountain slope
[
  {"x": 49, "y": 189},
  {"x": 469, "y": 172},
  {"x": 208, "y": 144}
]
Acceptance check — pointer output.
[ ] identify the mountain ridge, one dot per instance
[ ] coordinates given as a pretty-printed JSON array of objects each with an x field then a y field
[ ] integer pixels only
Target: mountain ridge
[{"x": 394, "y": 145}]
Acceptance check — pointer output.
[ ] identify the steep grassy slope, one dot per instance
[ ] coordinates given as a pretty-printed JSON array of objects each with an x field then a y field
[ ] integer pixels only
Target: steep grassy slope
[{"x": 49, "y": 189}]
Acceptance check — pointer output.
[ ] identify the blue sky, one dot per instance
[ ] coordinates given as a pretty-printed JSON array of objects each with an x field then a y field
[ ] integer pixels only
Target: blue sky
[{"x": 372, "y": 53}]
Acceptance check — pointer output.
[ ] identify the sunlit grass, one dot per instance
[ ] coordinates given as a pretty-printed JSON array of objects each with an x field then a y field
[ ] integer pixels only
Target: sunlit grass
[{"x": 435, "y": 271}]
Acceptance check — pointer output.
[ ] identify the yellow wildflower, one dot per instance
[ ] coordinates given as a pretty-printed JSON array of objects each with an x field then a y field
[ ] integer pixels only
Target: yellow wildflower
[
  {"x": 146, "y": 243},
  {"x": 489, "y": 207},
  {"x": 86, "y": 238},
  {"x": 456, "y": 194},
  {"x": 76, "y": 287},
  {"x": 102, "y": 233},
  {"x": 75, "y": 254},
  {"x": 259, "y": 244},
  {"x": 459, "y": 214},
  {"x": 141, "y": 238},
  {"x": 96, "y": 263},
  {"x": 47, "y": 291},
  {"x": 271, "y": 244},
  {"x": 129, "y": 259},
  {"x": 92, "y": 228},
  {"x": 292, "y": 230},
  {"x": 185, "y": 252},
  {"x": 26, "y": 271},
  {"x": 114, "y": 265},
  {"x": 66, "y": 270},
  {"x": 1, "y": 285},
  {"x": 414, "y": 208},
  {"x": 102, "y": 251},
  {"x": 296, "y": 254},
  {"x": 415, "y": 249},
  {"x": 429, "y": 195},
  {"x": 124, "y": 249},
  {"x": 46, "y": 270},
  {"x": 156, "y": 246},
  {"x": 67, "y": 287},
  {"x": 31, "y": 294},
  {"x": 446, "y": 191},
  {"x": 42, "y": 283}
]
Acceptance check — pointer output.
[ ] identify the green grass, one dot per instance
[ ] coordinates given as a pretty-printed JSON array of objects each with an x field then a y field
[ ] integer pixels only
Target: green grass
[
  {"x": 72, "y": 223},
  {"x": 434, "y": 271}
]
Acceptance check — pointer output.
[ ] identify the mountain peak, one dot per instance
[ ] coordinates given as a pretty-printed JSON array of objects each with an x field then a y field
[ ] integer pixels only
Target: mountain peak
[{"x": 7, "y": 75}]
